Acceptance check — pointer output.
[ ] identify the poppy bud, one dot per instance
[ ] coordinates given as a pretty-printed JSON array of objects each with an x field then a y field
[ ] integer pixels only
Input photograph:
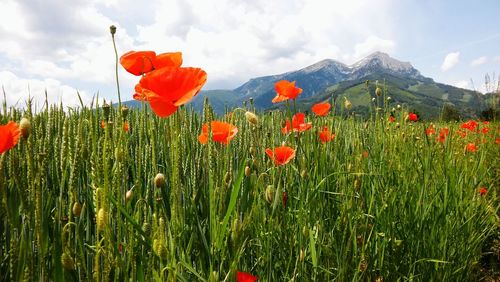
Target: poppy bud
[
  {"x": 248, "y": 171},
  {"x": 252, "y": 118},
  {"x": 397, "y": 124},
  {"x": 214, "y": 276},
  {"x": 101, "y": 219},
  {"x": 269, "y": 193},
  {"x": 378, "y": 91},
  {"x": 398, "y": 107},
  {"x": 302, "y": 255},
  {"x": 77, "y": 209},
  {"x": 112, "y": 29},
  {"x": 389, "y": 98},
  {"x": 305, "y": 231},
  {"x": 252, "y": 151},
  {"x": 124, "y": 112},
  {"x": 106, "y": 108},
  {"x": 25, "y": 126},
  {"x": 129, "y": 195},
  {"x": 373, "y": 99},
  {"x": 227, "y": 178},
  {"x": 146, "y": 227},
  {"x": 67, "y": 261},
  {"x": 236, "y": 229},
  {"x": 347, "y": 104},
  {"x": 160, "y": 180}
]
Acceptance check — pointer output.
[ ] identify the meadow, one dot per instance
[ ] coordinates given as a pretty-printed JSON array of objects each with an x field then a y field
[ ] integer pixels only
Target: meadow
[
  {"x": 108, "y": 194},
  {"x": 102, "y": 192}
]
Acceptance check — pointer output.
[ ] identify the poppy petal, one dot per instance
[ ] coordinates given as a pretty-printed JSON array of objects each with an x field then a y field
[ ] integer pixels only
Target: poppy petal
[
  {"x": 178, "y": 85},
  {"x": 138, "y": 62},
  {"x": 321, "y": 109},
  {"x": 168, "y": 60},
  {"x": 9, "y": 136}
]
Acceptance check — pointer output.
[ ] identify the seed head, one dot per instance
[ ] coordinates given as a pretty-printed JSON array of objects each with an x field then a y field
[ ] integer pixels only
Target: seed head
[
  {"x": 112, "y": 29},
  {"x": 378, "y": 91},
  {"x": 248, "y": 171}
]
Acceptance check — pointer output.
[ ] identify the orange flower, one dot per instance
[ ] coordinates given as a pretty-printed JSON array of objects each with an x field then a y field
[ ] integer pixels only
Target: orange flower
[
  {"x": 412, "y": 117},
  {"x": 285, "y": 90},
  {"x": 497, "y": 140},
  {"x": 471, "y": 147},
  {"x": 222, "y": 132},
  {"x": 321, "y": 109},
  {"x": 168, "y": 88},
  {"x": 365, "y": 154},
  {"x": 443, "y": 134},
  {"x": 462, "y": 133},
  {"x": 298, "y": 124},
  {"x": 245, "y": 277},
  {"x": 141, "y": 62},
  {"x": 126, "y": 126},
  {"x": 482, "y": 191},
  {"x": 103, "y": 124},
  {"x": 281, "y": 155},
  {"x": 392, "y": 119},
  {"x": 9, "y": 136},
  {"x": 430, "y": 130},
  {"x": 325, "y": 135}
]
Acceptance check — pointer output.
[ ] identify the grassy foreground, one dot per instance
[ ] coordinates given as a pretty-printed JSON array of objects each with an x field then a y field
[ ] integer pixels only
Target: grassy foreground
[{"x": 381, "y": 202}]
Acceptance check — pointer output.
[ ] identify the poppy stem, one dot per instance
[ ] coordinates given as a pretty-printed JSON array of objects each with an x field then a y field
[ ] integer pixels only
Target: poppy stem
[{"x": 116, "y": 73}]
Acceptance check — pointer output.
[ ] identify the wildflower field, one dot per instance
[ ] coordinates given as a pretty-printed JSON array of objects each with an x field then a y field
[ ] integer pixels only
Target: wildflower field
[{"x": 108, "y": 193}]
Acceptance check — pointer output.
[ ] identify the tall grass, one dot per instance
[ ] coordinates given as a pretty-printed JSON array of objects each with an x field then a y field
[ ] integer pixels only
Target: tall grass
[{"x": 380, "y": 202}]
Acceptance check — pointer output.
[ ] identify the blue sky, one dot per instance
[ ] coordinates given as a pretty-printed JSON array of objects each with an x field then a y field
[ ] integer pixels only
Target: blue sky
[{"x": 64, "y": 46}]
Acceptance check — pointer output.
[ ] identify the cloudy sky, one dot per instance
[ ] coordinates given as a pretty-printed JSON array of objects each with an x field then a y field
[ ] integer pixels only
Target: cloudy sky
[{"x": 64, "y": 46}]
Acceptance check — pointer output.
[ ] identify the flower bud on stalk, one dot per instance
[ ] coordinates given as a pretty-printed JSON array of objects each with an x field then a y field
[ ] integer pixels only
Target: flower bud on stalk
[
  {"x": 25, "y": 126},
  {"x": 160, "y": 180},
  {"x": 252, "y": 118}
]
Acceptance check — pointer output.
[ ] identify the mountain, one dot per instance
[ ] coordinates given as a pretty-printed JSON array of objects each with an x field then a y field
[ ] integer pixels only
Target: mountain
[{"x": 329, "y": 79}]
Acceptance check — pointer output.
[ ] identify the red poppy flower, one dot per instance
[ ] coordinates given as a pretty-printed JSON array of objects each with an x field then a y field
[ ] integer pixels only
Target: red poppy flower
[
  {"x": 462, "y": 133},
  {"x": 285, "y": 90},
  {"x": 126, "y": 126},
  {"x": 482, "y": 191},
  {"x": 138, "y": 62},
  {"x": 365, "y": 154},
  {"x": 392, "y": 119},
  {"x": 222, "y": 132},
  {"x": 325, "y": 135},
  {"x": 281, "y": 155},
  {"x": 412, "y": 117},
  {"x": 430, "y": 130},
  {"x": 497, "y": 140},
  {"x": 298, "y": 124},
  {"x": 321, "y": 109},
  {"x": 471, "y": 147},
  {"x": 485, "y": 130},
  {"x": 103, "y": 124},
  {"x": 170, "y": 87},
  {"x": 245, "y": 277},
  {"x": 443, "y": 133},
  {"x": 9, "y": 136},
  {"x": 470, "y": 125}
]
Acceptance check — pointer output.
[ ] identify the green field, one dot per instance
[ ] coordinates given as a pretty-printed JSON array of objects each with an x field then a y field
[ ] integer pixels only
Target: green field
[{"x": 381, "y": 202}]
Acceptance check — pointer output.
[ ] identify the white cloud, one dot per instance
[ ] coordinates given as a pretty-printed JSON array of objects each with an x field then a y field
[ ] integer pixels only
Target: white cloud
[
  {"x": 232, "y": 40},
  {"x": 450, "y": 61},
  {"x": 496, "y": 59},
  {"x": 479, "y": 61},
  {"x": 18, "y": 90}
]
